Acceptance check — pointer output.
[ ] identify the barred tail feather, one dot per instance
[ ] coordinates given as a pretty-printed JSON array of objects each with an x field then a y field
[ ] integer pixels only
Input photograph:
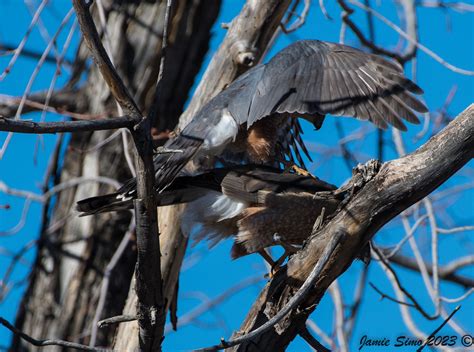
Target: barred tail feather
[
  {"x": 182, "y": 190},
  {"x": 103, "y": 204},
  {"x": 168, "y": 166}
]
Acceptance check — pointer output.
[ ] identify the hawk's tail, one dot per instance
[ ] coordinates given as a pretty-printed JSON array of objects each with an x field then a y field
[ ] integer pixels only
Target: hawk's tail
[
  {"x": 168, "y": 163},
  {"x": 173, "y": 158},
  {"x": 181, "y": 191},
  {"x": 103, "y": 204}
]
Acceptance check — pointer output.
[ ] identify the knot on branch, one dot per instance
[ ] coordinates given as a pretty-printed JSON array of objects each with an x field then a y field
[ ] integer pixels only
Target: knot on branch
[
  {"x": 149, "y": 315},
  {"x": 361, "y": 174},
  {"x": 243, "y": 53},
  {"x": 367, "y": 171}
]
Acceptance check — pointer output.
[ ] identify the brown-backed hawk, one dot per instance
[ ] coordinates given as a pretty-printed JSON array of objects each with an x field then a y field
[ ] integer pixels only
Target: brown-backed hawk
[{"x": 259, "y": 206}]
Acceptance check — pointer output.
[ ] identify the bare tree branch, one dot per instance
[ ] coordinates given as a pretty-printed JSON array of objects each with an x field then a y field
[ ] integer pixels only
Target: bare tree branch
[
  {"x": 116, "y": 320},
  {"x": 438, "y": 329},
  {"x": 105, "y": 282},
  {"x": 397, "y": 185},
  {"x": 71, "y": 102},
  {"x": 294, "y": 301},
  {"x": 414, "y": 303},
  {"x": 447, "y": 273},
  {"x": 48, "y": 342},
  {"x": 301, "y": 19},
  {"x": 311, "y": 340},
  {"x": 23, "y": 126},
  {"x": 102, "y": 60},
  {"x": 420, "y": 46},
  {"x": 6, "y": 48},
  {"x": 459, "y": 6}
]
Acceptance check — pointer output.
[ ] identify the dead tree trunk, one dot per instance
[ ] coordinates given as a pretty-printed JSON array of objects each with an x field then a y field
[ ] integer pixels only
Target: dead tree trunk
[{"x": 63, "y": 292}]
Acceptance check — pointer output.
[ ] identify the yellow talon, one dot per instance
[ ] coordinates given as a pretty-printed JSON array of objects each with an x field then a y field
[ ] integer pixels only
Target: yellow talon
[{"x": 298, "y": 170}]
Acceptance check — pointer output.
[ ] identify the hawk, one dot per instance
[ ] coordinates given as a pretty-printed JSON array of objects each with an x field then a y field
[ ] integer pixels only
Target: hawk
[
  {"x": 257, "y": 205},
  {"x": 254, "y": 119}
]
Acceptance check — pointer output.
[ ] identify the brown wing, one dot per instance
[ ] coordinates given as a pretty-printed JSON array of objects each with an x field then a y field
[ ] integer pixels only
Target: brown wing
[{"x": 245, "y": 182}]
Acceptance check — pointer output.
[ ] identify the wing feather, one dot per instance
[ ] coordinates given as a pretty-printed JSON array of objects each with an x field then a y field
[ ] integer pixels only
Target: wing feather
[{"x": 313, "y": 77}]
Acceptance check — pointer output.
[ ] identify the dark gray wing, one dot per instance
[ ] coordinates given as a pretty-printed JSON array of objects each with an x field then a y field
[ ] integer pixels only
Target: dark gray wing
[
  {"x": 290, "y": 145},
  {"x": 241, "y": 91},
  {"x": 313, "y": 77}
]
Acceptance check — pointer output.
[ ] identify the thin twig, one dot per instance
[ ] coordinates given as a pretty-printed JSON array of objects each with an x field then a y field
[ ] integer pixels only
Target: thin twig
[
  {"x": 336, "y": 295},
  {"x": 317, "y": 330},
  {"x": 48, "y": 342},
  {"x": 99, "y": 54},
  {"x": 106, "y": 280},
  {"x": 311, "y": 340},
  {"x": 347, "y": 155},
  {"x": 384, "y": 295},
  {"x": 6, "y": 49},
  {"x": 324, "y": 11},
  {"x": 420, "y": 46},
  {"x": 300, "y": 21},
  {"x": 458, "y": 299},
  {"x": 355, "y": 307},
  {"x": 41, "y": 198},
  {"x": 459, "y": 6},
  {"x": 116, "y": 320},
  {"x": 410, "y": 233},
  {"x": 438, "y": 329},
  {"x": 446, "y": 272},
  {"x": 407, "y": 294},
  {"x": 24, "y": 39},
  {"x": 37, "y": 102},
  {"x": 206, "y": 306},
  {"x": 153, "y": 114},
  {"x": 32, "y": 78}
]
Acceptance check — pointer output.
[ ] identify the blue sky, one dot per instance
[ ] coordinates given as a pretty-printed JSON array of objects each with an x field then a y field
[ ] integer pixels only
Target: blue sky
[{"x": 449, "y": 36}]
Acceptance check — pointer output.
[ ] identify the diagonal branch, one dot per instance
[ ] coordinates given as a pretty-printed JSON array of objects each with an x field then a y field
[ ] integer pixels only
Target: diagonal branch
[
  {"x": 292, "y": 304},
  {"x": 396, "y": 186},
  {"x": 102, "y": 60}
]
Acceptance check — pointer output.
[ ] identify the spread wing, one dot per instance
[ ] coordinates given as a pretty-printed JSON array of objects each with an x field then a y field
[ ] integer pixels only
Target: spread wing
[
  {"x": 317, "y": 78},
  {"x": 241, "y": 92}
]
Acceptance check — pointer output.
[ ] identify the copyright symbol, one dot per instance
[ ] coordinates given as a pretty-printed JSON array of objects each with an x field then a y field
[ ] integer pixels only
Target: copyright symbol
[{"x": 467, "y": 340}]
